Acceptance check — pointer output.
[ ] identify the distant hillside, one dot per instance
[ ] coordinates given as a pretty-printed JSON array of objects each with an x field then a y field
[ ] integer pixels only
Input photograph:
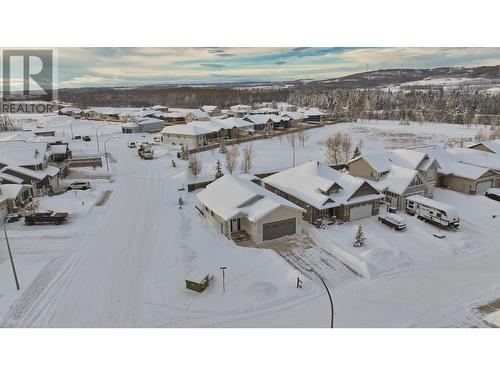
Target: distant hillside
[{"x": 438, "y": 76}]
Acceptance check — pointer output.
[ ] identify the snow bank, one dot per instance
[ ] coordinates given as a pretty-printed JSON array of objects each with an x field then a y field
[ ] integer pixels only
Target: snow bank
[
  {"x": 375, "y": 258},
  {"x": 493, "y": 318},
  {"x": 383, "y": 260}
]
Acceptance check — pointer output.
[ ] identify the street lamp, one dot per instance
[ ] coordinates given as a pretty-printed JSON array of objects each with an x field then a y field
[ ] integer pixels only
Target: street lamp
[
  {"x": 10, "y": 253},
  {"x": 223, "y": 279},
  {"x": 97, "y": 136},
  {"x": 329, "y": 295},
  {"x": 106, "y": 152}
]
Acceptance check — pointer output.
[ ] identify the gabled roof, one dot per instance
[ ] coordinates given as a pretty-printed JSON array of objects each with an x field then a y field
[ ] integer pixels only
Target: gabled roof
[
  {"x": 23, "y": 153},
  {"x": 194, "y": 128},
  {"x": 295, "y": 115},
  {"x": 460, "y": 162},
  {"x": 258, "y": 119},
  {"x": 232, "y": 196},
  {"x": 311, "y": 181},
  {"x": 397, "y": 180},
  {"x": 233, "y": 122},
  {"x": 382, "y": 161},
  {"x": 493, "y": 145},
  {"x": 37, "y": 175},
  {"x": 209, "y": 108}
]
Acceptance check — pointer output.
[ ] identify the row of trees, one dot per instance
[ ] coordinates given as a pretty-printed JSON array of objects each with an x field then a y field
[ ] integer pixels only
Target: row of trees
[{"x": 231, "y": 156}]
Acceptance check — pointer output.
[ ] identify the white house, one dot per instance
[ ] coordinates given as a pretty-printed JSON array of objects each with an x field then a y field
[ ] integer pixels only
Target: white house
[
  {"x": 192, "y": 135},
  {"x": 234, "y": 205}
]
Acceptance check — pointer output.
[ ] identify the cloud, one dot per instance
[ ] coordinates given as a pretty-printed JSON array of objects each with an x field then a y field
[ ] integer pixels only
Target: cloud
[
  {"x": 136, "y": 66},
  {"x": 213, "y": 65}
]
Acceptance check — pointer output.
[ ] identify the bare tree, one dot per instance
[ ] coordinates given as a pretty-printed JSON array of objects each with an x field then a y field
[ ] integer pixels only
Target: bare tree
[
  {"x": 346, "y": 146},
  {"x": 333, "y": 150},
  {"x": 247, "y": 161},
  {"x": 195, "y": 164},
  {"x": 292, "y": 139},
  {"x": 302, "y": 134},
  {"x": 231, "y": 157}
]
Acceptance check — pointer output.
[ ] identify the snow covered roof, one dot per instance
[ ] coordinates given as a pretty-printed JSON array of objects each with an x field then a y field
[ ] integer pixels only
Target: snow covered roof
[
  {"x": 493, "y": 145},
  {"x": 476, "y": 157},
  {"x": 454, "y": 162},
  {"x": 265, "y": 110},
  {"x": 233, "y": 122},
  {"x": 194, "y": 128},
  {"x": 147, "y": 120},
  {"x": 311, "y": 112},
  {"x": 263, "y": 119},
  {"x": 209, "y": 108},
  {"x": 312, "y": 183},
  {"x": 382, "y": 161},
  {"x": 397, "y": 180},
  {"x": 232, "y": 196},
  {"x": 10, "y": 178},
  {"x": 37, "y": 175},
  {"x": 240, "y": 108},
  {"x": 295, "y": 115},
  {"x": 10, "y": 191},
  {"x": 197, "y": 113},
  {"x": 23, "y": 153}
]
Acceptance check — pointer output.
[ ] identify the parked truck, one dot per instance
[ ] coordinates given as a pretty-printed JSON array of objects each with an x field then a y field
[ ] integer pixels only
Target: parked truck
[
  {"x": 431, "y": 211},
  {"x": 46, "y": 217},
  {"x": 145, "y": 151}
]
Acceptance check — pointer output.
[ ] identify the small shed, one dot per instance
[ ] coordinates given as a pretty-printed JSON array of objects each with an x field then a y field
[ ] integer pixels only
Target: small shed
[{"x": 198, "y": 281}]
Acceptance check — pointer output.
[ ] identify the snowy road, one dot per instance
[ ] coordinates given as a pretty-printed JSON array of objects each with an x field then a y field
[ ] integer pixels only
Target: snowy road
[{"x": 100, "y": 282}]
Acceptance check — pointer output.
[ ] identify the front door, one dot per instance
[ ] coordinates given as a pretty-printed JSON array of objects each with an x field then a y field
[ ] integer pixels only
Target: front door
[{"x": 235, "y": 225}]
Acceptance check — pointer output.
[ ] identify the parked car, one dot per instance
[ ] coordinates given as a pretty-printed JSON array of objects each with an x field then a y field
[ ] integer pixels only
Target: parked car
[
  {"x": 86, "y": 138},
  {"x": 131, "y": 145},
  {"x": 432, "y": 211},
  {"x": 145, "y": 151},
  {"x": 493, "y": 193},
  {"x": 78, "y": 185},
  {"x": 393, "y": 220},
  {"x": 46, "y": 217}
]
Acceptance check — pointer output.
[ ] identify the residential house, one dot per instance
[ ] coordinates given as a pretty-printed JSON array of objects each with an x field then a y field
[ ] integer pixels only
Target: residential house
[
  {"x": 397, "y": 173},
  {"x": 15, "y": 196},
  {"x": 144, "y": 125},
  {"x": 324, "y": 192},
  {"x": 468, "y": 171},
  {"x": 492, "y": 146},
  {"x": 293, "y": 118},
  {"x": 234, "y": 205},
  {"x": 239, "y": 110},
  {"x": 312, "y": 114},
  {"x": 193, "y": 135},
  {"x": 211, "y": 110}
]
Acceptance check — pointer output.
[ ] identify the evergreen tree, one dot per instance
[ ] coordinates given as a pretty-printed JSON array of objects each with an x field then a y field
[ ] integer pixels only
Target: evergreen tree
[
  {"x": 359, "y": 238},
  {"x": 218, "y": 170}
]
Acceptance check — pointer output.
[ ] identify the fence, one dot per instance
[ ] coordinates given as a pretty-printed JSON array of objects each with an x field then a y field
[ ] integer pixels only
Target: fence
[
  {"x": 85, "y": 162},
  {"x": 229, "y": 142}
]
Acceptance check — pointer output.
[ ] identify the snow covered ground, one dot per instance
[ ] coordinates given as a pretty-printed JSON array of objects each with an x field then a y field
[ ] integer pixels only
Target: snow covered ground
[{"x": 124, "y": 263}]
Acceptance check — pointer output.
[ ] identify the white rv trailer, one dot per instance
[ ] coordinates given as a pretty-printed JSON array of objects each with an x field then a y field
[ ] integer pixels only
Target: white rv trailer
[{"x": 432, "y": 211}]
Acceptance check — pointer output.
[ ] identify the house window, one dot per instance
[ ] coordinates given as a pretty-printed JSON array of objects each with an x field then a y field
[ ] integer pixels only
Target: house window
[{"x": 431, "y": 174}]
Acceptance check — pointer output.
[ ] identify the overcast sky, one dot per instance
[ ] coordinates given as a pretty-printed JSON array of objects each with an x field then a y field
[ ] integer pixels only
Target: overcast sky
[{"x": 84, "y": 67}]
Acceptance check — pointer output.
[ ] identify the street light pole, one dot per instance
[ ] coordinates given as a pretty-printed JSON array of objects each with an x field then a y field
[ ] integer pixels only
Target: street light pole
[
  {"x": 10, "y": 253},
  {"x": 223, "y": 279},
  {"x": 97, "y": 136},
  {"x": 106, "y": 152},
  {"x": 329, "y": 296}
]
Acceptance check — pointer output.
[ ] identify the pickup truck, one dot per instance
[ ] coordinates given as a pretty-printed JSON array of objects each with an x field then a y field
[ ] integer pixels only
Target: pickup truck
[
  {"x": 46, "y": 217},
  {"x": 145, "y": 151}
]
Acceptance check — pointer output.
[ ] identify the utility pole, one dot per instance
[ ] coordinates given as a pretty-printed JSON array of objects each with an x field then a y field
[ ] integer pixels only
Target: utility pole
[
  {"x": 97, "y": 136},
  {"x": 329, "y": 295},
  {"x": 10, "y": 253},
  {"x": 223, "y": 279},
  {"x": 106, "y": 152}
]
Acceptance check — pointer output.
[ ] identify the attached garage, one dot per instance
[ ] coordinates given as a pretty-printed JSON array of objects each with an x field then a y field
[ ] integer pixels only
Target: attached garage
[
  {"x": 482, "y": 186},
  {"x": 280, "y": 228},
  {"x": 360, "y": 211}
]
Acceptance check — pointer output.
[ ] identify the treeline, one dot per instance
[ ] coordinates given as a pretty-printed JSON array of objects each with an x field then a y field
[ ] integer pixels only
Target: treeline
[
  {"x": 458, "y": 106},
  {"x": 462, "y": 106}
]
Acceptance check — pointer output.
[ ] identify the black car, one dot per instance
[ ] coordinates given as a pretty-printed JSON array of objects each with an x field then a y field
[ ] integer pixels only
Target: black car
[{"x": 86, "y": 138}]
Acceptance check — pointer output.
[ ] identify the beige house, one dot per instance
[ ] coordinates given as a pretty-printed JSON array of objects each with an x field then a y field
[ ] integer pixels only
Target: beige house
[
  {"x": 469, "y": 171},
  {"x": 492, "y": 146},
  {"x": 324, "y": 192},
  {"x": 398, "y": 174},
  {"x": 235, "y": 205}
]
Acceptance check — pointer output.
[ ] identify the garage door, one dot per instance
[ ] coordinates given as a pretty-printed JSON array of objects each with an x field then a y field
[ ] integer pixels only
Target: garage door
[
  {"x": 361, "y": 211},
  {"x": 483, "y": 186},
  {"x": 277, "y": 229}
]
